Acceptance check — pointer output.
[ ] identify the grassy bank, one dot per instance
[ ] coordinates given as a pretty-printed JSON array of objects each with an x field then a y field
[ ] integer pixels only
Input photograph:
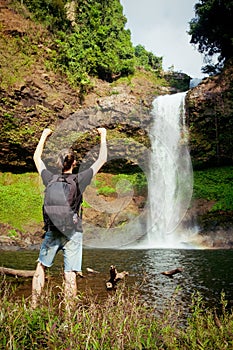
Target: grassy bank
[
  {"x": 215, "y": 184},
  {"x": 21, "y": 200},
  {"x": 122, "y": 321},
  {"x": 22, "y": 195}
]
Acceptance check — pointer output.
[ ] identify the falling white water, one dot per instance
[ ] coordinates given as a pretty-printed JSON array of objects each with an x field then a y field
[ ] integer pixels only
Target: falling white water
[{"x": 170, "y": 179}]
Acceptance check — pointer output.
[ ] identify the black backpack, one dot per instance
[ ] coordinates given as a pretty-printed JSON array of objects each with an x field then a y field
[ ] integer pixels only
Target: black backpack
[{"x": 61, "y": 203}]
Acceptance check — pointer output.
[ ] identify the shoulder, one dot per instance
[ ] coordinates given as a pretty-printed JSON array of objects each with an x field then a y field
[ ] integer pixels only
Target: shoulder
[
  {"x": 46, "y": 176},
  {"x": 83, "y": 179},
  {"x": 84, "y": 175}
]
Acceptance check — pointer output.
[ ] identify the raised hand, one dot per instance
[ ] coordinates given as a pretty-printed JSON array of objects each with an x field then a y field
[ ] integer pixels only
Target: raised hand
[
  {"x": 102, "y": 131},
  {"x": 47, "y": 132}
]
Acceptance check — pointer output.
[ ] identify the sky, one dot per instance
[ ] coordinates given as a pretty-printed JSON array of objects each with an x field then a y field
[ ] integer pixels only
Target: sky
[{"x": 161, "y": 27}]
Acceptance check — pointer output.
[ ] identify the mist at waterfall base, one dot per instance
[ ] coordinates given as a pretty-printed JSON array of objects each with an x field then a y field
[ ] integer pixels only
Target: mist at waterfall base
[{"x": 170, "y": 182}]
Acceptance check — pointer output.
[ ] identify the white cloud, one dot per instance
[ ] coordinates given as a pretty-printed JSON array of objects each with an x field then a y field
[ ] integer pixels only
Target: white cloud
[{"x": 161, "y": 27}]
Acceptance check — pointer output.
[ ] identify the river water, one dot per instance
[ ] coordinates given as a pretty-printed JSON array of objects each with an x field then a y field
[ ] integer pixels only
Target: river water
[{"x": 207, "y": 271}]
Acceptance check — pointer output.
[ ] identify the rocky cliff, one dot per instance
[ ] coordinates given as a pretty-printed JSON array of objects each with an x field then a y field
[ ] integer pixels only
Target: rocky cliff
[
  {"x": 209, "y": 109},
  {"x": 32, "y": 96}
]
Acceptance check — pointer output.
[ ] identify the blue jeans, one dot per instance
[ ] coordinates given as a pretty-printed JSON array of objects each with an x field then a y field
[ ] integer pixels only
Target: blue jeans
[{"x": 71, "y": 245}]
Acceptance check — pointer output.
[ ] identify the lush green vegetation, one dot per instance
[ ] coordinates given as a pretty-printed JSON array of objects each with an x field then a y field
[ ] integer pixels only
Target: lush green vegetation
[
  {"x": 99, "y": 45},
  {"x": 52, "y": 13},
  {"x": 21, "y": 200},
  {"x": 124, "y": 182},
  {"x": 81, "y": 41},
  {"x": 147, "y": 60},
  {"x": 12, "y": 73},
  {"x": 17, "y": 55},
  {"x": 90, "y": 39},
  {"x": 121, "y": 321},
  {"x": 215, "y": 184},
  {"x": 211, "y": 30}
]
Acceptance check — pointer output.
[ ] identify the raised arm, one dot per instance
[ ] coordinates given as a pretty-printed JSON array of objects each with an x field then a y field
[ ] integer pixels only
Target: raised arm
[
  {"x": 102, "y": 153},
  {"x": 39, "y": 149}
]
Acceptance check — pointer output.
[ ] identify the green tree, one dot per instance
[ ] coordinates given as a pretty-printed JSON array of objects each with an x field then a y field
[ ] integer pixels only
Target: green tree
[
  {"x": 99, "y": 45},
  {"x": 91, "y": 39},
  {"x": 117, "y": 53},
  {"x": 51, "y": 12},
  {"x": 147, "y": 59},
  {"x": 212, "y": 31}
]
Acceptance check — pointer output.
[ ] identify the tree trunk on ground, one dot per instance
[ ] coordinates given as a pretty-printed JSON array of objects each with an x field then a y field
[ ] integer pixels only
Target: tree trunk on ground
[{"x": 19, "y": 273}]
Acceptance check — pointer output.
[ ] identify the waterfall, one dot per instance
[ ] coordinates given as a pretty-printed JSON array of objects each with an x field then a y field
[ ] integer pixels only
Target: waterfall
[{"x": 170, "y": 180}]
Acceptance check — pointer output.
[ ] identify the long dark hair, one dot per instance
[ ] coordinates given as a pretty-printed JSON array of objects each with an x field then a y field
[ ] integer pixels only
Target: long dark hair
[{"x": 65, "y": 159}]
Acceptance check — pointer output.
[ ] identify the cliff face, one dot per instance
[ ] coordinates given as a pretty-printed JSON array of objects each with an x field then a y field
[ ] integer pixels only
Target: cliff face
[
  {"x": 210, "y": 120},
  {"x": 209, "y": 109},
  {"x": 33, "y": 97},
  {"x": 44, "y": 100},
  {"x": 39, "y": 98}
]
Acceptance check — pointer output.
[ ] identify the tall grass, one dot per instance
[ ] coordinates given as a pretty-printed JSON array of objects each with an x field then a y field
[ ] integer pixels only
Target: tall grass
[{"x": 121, "y": 321}]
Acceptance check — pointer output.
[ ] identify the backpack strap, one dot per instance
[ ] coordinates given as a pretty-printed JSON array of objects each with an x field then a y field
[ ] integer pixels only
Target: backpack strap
[
  {"x": 70, "y": 180},
  {"x": 54, "y": 179},
  {"x": 78, "y": 204}
]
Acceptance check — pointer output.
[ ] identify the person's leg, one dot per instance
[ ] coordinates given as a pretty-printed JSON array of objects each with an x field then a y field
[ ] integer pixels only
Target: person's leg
[
  {"x": 70, "y": 288},
  {"x": 72, "y": 263},
  {"x": 38, "y": 282},
  {"x": 48, "y": 250}
]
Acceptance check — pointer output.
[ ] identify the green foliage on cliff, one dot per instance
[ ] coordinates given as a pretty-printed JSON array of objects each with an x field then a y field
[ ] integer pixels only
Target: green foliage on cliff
[
  {"x": 90, "y": 39},
  {"x": 215, "y": 184},
  {"x": 51, "y": 12},
  {"x": 179, "y": 81},
  {"x": 212, "y": 31},
  {"x": 147, "y": 60},
  {"x": 98, "y": 44},
  {"x": 123, "y": 183}
]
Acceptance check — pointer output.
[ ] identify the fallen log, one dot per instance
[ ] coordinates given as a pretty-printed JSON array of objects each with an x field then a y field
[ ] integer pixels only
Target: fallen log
[
  {"x": 115, "y": 277},
  {"x": 172, "y": 272},
  {"x": 17, "y": 273}
]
